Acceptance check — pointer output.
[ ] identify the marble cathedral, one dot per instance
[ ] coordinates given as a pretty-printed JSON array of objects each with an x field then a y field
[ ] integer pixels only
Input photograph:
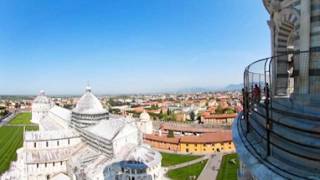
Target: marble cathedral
[{"x": 85, "y": 143}]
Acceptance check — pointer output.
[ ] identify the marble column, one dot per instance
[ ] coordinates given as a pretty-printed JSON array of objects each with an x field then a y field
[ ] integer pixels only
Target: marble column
[{"x": 304, "y": 46}]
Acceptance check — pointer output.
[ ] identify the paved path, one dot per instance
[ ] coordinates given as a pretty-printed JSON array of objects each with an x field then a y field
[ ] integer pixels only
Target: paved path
[
  {"x": 187, "y": 163},
  {"x": 210, "y": 171},
  {"x": 7, "y": 119}
]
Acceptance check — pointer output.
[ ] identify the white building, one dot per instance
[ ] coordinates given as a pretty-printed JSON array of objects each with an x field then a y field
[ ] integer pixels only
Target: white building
[
  {"x": 85, "y": 143},
  {"x": 145, "y": 123},
  {"x": 40, "y": 107}
]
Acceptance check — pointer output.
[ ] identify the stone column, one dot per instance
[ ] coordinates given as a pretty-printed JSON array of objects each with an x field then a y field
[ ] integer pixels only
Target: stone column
[{"x": 304, "y": 46}]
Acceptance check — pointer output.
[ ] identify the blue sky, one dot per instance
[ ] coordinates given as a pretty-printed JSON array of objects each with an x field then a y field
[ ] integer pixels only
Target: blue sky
[{"x": 125, "y": 46}]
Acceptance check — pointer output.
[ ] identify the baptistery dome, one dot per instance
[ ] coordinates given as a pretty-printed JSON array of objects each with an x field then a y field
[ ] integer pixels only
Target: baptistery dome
[
  {"x": 89, "y": 104},
  {"x": 88, "y": 111}
]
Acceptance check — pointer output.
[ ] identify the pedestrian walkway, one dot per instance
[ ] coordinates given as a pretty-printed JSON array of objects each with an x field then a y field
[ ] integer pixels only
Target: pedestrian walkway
[
  {"x": 188, "y": 163},
  {"x": 211, "y": 170},
  {"x": 5, "y": 120}
]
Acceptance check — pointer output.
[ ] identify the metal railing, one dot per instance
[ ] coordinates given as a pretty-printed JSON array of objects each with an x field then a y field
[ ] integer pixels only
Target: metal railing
[{"x": 261, "y": 93}]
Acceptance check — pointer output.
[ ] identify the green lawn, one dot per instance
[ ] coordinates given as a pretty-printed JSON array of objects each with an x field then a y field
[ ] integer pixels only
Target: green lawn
[
  {"x": 10, "y": 141},
  {"x": 11, "y": 138},
  {"x": 173, "y": 159},
  {"x": 22, "y": 118},
  {"x": 185, "y": 172},
  {"x": 228, "y": 169}
]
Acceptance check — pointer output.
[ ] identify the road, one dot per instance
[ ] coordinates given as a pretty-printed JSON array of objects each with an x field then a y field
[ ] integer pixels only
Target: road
[{"x": 211, "y": 170}]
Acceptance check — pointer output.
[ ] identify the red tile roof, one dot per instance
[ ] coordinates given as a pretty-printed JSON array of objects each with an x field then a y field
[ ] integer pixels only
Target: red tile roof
[
  {"x": 224, "y": 136},
  {"x": 174, "y": 140},
  {"x": 206, "y": 138},
  {"x": 219, "y": 116},
  {"x": 187, "y": 128}
]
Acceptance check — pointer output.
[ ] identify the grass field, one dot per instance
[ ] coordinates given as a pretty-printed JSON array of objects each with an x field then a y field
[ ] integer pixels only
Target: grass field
[
  {"x": 228, "y": 169},
  {"x": 185, "y": 172},
  {"x": 11, "y": 138},
  {"x": 173, "y": 159},
  {"x": 22, "y": 118}
]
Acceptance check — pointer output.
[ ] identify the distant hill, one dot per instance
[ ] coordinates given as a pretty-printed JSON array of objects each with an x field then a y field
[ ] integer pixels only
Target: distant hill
[
  {"x": 195, "y": 90},
  {"x": 233, "y": 87}
]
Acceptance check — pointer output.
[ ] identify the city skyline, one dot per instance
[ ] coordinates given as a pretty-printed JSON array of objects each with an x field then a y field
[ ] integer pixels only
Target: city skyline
[{"x": 125, "y": 47}]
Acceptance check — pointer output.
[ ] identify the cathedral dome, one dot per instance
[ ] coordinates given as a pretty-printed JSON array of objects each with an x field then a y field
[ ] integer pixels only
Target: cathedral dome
[
  {"x": 41, "y": 99},
  {"x": 89, "y": 104},
  {"x": 144, "y": 116}
]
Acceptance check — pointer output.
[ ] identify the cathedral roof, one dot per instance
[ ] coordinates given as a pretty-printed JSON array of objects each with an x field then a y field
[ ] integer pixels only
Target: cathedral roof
[
  {"x": 141, "y": 157},
  {"x": 89, "y": 104},
  {"x": 109, "y": 129}
]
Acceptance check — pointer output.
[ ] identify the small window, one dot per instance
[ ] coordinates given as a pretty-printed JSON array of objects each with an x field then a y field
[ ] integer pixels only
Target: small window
[
  {"x": 35, "y": 145},
  {"x": 61, "y": 163},
  {"x": 57, "y": 143},
  {"x": 37, "y": 165},
  {"x": 68, "y": 141},
  {"x": 47, "y": 143},
  {"x": 53, "y": 164},
  {"x": 45, "y": 164}
]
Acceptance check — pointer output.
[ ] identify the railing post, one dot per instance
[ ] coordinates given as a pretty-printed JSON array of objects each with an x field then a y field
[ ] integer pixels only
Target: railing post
[
  {"x": 268, "y": 124},
  {"x": 244, "y": 103},
  {"x": 247, "y": 109}
]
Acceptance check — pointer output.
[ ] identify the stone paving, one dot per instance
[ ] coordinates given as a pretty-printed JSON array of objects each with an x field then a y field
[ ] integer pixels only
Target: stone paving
[{"x": 211, "y": 170}]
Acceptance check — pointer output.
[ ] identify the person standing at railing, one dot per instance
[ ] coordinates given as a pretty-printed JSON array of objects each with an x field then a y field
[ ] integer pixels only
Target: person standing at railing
[{"x": 256, "y": 93}]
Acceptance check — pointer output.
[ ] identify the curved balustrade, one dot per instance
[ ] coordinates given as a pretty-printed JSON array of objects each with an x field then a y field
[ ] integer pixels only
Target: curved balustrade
[{"x": 281, "y": 129}]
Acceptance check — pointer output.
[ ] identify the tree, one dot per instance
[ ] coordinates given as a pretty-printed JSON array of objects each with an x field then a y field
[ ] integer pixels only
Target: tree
[
  {"x": 192, "y": 116},
  {"x": 229, "y": 111},
  {"x": 170, "y": 134},
  {"x": 219, "y": 110}
]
